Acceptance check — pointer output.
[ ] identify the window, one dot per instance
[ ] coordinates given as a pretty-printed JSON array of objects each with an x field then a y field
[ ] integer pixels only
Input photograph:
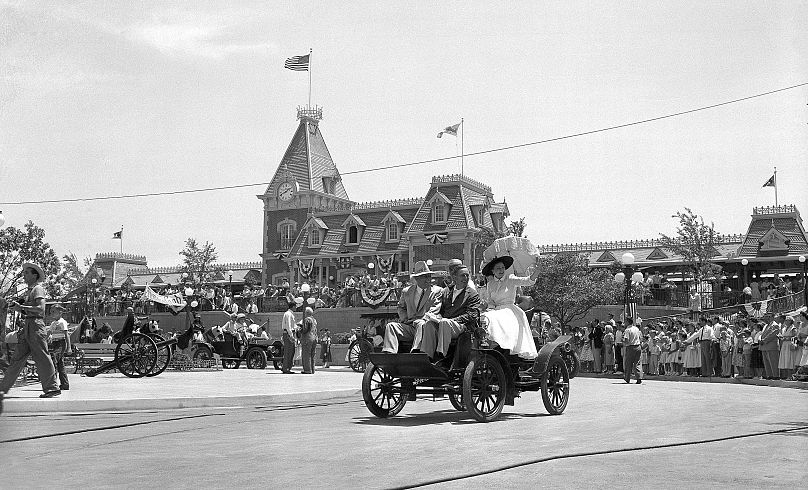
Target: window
[
  {"x": 353, "y": 234},
  {"x": 480, "y": 216},
  {"x": 314, "y": 237},
  {"x": 287, "y": 232},
  {"x": 438, "y": 213},
  {"x": 392, "y": 231}
]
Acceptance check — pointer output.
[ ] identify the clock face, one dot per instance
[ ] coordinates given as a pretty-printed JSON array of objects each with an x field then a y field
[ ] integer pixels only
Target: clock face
[{"x": 285, "y": 191}]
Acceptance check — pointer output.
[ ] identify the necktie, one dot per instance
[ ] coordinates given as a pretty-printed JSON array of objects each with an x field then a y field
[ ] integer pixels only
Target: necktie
[{"x": 420, "y": 297}]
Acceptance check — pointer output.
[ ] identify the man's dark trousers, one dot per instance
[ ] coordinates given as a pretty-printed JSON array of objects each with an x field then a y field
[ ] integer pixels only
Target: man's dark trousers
[
  {"x": 706, "y": 358},
  {"x": 288, "y": 351},
  {"x": 631, "y": 363}
]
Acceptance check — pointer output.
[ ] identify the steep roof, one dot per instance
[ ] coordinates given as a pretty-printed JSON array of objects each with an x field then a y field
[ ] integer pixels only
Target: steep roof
[
  {"x": 784, "y": 219},
  {"x": 462, "y": 192}
]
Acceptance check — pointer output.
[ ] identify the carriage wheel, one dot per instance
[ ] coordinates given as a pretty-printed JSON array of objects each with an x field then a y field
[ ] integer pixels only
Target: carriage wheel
[
  {"x": 382, "y": 392},
  {"x": 256, "y": 358},
  {"x": 163, "y": 357},
  {"x": 555, "y": 386},
  {"x": 136, "y": 355},
  {"x": 359, "y": 354},
  {"x": 571, "y": 360},
  {"x": 457, "y": 401},
  {"x": 202, "y": 353},
  {"x": 484, "y": 388}
]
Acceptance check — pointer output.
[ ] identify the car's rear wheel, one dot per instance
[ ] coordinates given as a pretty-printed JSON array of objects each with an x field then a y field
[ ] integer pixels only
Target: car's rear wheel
[{"x": 382, "y": 392}]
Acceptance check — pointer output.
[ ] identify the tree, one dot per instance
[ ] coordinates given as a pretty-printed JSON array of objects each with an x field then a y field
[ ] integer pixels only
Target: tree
[
  {"x": 72, "y": 273},
  {"x": 695, "y": 241},
  {"x": 567, "y": 288},
  {"x": 198, "y": 261},
  {"x": 18, "y": 246},
  {"x": 517, "y": 228}
]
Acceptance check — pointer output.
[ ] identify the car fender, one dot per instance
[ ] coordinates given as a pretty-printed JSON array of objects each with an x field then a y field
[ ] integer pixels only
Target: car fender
[{"x": 543, "y": 359}]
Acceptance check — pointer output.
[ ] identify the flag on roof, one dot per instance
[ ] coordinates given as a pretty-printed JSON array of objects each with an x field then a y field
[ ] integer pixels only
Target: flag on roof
[
  {"x": 118, "y": 235},
  {"x": 297, "y": 63},
  {"x": 450, "y": 130},
  {"x": 771, "y": 182}
]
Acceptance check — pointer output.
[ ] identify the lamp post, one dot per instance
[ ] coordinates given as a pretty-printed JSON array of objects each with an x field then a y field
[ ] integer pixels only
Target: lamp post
[
  {"x": 2, "y": 219},
  {"x": 804, "y": 263},
  {"x": 305, "y": 290},
  {"x": 628, "y": 276},
  {"x": 744, "y": 263},
  {"x": 94, "y": 281},
  {"x": 229, "y": 274}
]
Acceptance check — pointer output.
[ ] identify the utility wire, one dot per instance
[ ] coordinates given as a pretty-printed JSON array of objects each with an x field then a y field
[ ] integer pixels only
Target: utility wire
[{"x": 421, "y": 162}]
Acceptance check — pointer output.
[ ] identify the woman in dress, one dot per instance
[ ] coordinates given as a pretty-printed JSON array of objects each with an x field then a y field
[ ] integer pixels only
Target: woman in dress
[
  {"x": 587, "y": 360},
  {"x": 692, "y": 357},
  {"x": 756, "y": 357},
  {"x": 505, "y": 322},
  {"x": 608, "y": 350},
  {"x": 788, "y": 348}
]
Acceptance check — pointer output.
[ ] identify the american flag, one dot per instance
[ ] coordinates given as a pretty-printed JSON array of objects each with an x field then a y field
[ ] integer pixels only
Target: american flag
[{"x": 297, "y": 63}]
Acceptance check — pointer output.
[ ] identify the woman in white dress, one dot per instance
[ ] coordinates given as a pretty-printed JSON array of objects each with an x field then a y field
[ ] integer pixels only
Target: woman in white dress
[{"x": 505, "y": 322}]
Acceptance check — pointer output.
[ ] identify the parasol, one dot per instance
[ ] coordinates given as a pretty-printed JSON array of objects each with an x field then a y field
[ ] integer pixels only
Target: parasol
[{"x": 523, "y": 252}]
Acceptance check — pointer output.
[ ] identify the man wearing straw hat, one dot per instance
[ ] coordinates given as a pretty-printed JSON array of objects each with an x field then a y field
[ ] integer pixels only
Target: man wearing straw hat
[
  {"x": 33, "y": 340},
  {"x": 416, "y": 301}
]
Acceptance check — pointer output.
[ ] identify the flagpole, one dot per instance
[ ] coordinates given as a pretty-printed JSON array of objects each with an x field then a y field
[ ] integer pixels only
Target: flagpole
[
  {"x": 775, "y": 186},
  {"x": 462, "y": 130},
  {"x": 122, "y": 239},
  {"x": 309, "y": 77}
]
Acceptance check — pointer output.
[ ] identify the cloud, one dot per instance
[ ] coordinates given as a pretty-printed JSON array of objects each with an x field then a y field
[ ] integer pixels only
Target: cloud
[{"x": 208, "y": 35}]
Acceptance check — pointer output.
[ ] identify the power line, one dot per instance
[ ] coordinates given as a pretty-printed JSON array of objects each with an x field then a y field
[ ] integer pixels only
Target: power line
[{"x": 421, "y": 162}]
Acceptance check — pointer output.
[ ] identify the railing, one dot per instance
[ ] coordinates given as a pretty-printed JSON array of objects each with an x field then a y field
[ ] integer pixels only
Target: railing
[
  {"x": 450, "y": 179},
  {"x": 626, "y": 244},
  {"x": 782, "y": 304},
  {"x": 119, "y": 255},
  {"x": 413, "y": 201},
  {"x": 785, "y": 208}
]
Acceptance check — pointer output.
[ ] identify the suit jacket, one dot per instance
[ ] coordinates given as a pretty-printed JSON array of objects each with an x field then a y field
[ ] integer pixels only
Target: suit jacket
[
  {"x": 465, "y": 310},
  {"x": 410, "y": 308},
  {"x": 768, "y": 337}
]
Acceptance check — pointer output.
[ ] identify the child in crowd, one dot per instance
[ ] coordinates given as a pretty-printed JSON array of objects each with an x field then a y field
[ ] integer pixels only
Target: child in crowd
[
  {"x": 654, "y": 352},
  {"x": 738, "y": 354},
  {"x": 644, "y": 353},
  {"x": 608, "y": 349}
]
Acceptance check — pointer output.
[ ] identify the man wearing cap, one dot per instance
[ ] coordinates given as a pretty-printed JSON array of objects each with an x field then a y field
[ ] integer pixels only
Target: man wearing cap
[
  {"x": 60, "y": 345},
  {"x": 32, "y": 341},
  {"x": 459, "y": 309},
  {"x": 416, "y": 301}
]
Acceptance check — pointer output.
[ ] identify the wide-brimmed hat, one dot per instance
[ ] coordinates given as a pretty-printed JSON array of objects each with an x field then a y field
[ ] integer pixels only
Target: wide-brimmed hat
[
  {"x": 506, "y": 260},
  {"x": 420, "y": 269},
  {"x": 37, "y": 268}
]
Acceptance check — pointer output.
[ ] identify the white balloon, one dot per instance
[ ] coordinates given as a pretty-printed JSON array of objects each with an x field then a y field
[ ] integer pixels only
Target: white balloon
[
  {"x": 194, "y": 303},
  {"x": 619, "y": 277}
]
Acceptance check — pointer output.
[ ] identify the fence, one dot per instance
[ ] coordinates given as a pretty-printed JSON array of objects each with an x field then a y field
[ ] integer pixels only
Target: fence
[{"x": 757, "y": 309}]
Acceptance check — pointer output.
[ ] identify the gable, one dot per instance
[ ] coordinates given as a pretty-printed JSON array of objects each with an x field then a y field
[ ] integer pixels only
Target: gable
[
  {"x": 657, "y": 254},
  {"x": 606, "y": 256}
]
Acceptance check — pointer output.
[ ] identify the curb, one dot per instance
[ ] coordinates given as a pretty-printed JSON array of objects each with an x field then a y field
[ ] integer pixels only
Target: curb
[
  {"x": 800, "y": 385},
  {"x": 55, "y": 405}
]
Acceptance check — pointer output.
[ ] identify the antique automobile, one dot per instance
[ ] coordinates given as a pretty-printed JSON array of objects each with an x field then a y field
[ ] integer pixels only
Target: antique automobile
[
  {"x": 481, "y": 379},
  {"x": 256, "y": 353},
  {"x": 368, "y": 339}
]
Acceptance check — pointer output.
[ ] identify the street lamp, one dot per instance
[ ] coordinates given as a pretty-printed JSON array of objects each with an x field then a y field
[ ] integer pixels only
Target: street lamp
[
  {"x": 744, "y": 263},
  {"x": 92, "y": 302},
  {"x": 2, "y": 219},
  {"x": 804, "y": 263},
  {"x": 628, "y": 276}
]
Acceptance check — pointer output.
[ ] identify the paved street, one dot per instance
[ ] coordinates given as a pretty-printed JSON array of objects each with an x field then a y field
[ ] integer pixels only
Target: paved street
[{"x": 337, "y": 443}]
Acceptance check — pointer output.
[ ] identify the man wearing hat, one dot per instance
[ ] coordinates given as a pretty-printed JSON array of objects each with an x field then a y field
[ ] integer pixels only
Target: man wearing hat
[
  {"x": 33, "y": 339},
  {"x": 455, "y": 264},
  {"x": 459, "y": 309},
  {"x": 416, "y": 301},
  {"x": 60, "y": 344}
]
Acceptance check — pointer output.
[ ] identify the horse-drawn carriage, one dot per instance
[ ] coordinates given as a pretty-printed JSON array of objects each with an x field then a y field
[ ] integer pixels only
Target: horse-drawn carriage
[
  {"x": 481, "y": 379},
  {"x": 256, "y": 353}
]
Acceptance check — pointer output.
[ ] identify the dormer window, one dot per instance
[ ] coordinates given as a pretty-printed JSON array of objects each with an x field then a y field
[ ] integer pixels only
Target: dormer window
[
  {"x": 438, "y": 212},
  {"x": 439, "y": 206},
  {"x": 315, "y": 230},
  {"x": 354, "y": 226},
  {"x": 314, "y": 237},
  {"x": 392, "y": 231}
]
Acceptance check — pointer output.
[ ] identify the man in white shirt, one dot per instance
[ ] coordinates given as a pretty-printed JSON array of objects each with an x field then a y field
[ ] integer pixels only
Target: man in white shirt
[
  {"x": 59, "y": 340},
  {"x": 632, "y": 338},
  {"x": 289, "y": 328},
  {"x": 704, "y": 336}
]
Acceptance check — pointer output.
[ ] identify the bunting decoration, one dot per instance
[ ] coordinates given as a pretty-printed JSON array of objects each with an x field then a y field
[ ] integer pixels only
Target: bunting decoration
[
  {"x": 305, "y": 269},
  {"x": 757, "y": 310},
  {"x": 280, "y": 255},
  {"x": 375, "y": 297},
  {"x": 385, "y": 264},
  {"x": 436, "y": 238}
]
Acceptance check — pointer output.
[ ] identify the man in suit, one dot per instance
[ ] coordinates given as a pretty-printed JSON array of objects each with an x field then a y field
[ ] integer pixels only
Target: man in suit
[
  {"x": 460, "y": 308},
  {"x": 416, "y": 300}
]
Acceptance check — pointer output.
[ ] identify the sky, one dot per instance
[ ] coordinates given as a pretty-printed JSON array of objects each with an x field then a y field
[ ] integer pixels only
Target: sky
[{"x": 109, "y": 98}]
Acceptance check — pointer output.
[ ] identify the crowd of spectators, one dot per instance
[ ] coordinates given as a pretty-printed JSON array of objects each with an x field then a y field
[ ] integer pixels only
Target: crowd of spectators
[{"x": 771, "y": 347}]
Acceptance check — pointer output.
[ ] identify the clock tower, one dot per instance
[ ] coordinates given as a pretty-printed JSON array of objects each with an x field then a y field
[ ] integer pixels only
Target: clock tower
[{"x": 306, "y": 181}]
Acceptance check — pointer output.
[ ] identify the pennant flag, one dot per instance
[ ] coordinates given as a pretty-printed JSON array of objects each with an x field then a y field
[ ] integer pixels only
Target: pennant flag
[
  {"x": 297, "y": 63},
  {"x": 118, "y": 235},
  {"x": 771, "y": 182},
  {"x": 452, "y": 130}
]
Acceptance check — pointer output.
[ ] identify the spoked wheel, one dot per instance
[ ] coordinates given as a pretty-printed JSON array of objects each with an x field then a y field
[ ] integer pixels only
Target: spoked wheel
[
  {"x": 136, "y": 355},
  {"x": 572, "y": 362},
  {"x": 555, "y": 386},
  {"x": 256, "y": 358},
  {"x": 484, "y": 388},
  {"x": 382, "y": 392},
  {"x": 359, "y": 354},
  {"x": 163, "y": 357},
  {"x": 457, "y": 401},
  {"x": 202, "y": 353}
]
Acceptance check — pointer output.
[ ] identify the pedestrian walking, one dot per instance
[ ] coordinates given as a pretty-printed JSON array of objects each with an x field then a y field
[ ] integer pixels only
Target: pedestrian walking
[
  {"x": 325, "y": 348},
  {"x": 32, "y": 340},
  {"x": 632, "y": 337},
  {"x": 308, "y": 341},
  {"x": 59, "y": 345}
]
